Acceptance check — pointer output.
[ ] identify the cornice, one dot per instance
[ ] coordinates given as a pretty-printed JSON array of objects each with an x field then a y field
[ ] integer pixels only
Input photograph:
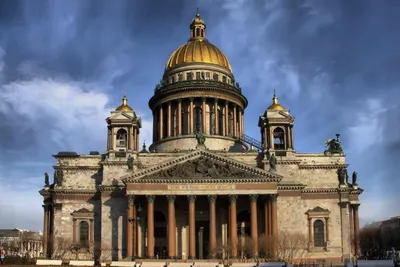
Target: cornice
[
  {"x": 319, "y": 190},
  {"x": 205, "y": 181},
  {"x": 73, "y": 192},
  {"x": 322, "y": 166},
  {"x": 111, "y": 188},
  {"x": 113, "y": 163},
  {"x": 263, "y": 175},
  {"x": 291, "y": 187},
  {"x": 77, "y": 168},
  {"x": 288, "y": 162}
]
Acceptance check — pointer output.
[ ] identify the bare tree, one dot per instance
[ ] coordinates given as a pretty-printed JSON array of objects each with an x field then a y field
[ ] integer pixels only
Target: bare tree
[
  {"x": 106, "y": 252},
  {"x": 291, "y": 246},
  {"x": 61, "y": 248},
  {"x": 224, "y": 251}
]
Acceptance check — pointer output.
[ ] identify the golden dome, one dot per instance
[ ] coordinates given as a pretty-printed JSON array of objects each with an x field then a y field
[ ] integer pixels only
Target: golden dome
[
  {"x": 198, "y": 49},
  {"x": 275, "y": 105},
  {"x": 124, "y": 106}
]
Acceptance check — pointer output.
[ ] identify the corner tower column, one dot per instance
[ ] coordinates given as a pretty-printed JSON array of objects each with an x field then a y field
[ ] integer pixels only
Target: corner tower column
[{"x": 45, "y": 229}]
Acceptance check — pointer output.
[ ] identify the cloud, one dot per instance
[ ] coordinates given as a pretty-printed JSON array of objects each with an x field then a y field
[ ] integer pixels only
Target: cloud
[{"x": 46, "y": 114}]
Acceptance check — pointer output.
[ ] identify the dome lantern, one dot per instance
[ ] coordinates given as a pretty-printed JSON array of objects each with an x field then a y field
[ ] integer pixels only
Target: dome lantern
[
  {"x": 275, "y": 105},
  {"x": 197, "y": 27},
  {"x": 124, "y": 106}
]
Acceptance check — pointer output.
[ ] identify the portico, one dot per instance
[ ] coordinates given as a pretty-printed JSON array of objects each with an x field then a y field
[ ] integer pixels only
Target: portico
[{"x": 201, "y": 194}]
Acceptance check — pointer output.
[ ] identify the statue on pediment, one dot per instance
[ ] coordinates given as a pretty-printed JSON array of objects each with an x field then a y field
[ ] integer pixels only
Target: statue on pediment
[
  {"x": 46, "y": 180},
  {"x": 334, "y": 146},
  {"x": 342, "y": 176},
  {"x": 130, "y": 163},
  {"x": 272, "y": 162},
  {"x": 354, "y": 178}
]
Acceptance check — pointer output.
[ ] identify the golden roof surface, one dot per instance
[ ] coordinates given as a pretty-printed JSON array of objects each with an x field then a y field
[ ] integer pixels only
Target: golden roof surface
[
  {"x": 124, "y": 106},
  {"x": 275, "y": 105},
  {"x": 198, "y": 50}
]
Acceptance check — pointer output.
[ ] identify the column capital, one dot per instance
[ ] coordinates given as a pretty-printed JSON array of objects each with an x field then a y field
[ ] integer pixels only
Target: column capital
[
  {"x": 216, "y": 100},
  {"x": 232, "y": 198},
  {"x": 212, "y": 198},
  {"x": 226, "y": 102},
  {"x": 234, "y": 105},
  {"x": 46, "y": 207},
  {"x": 355, "y": 206},
  {"x": 169, "y": 103},
  {"x": 191, "y": 198},
  {"x": 273, "y": 197},
  {"x": 150, "y": 198},
  {"x": 171, "y": 198},
  {"x": 204, "y": 99},
  {"x": 179, "y": 100},
  {"x": 131, "y": 199},
  {"x": 253, "y": 198},
  {"x": 191, "y": 99}
]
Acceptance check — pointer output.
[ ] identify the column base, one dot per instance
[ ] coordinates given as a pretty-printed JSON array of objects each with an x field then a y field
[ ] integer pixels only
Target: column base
[
  {"x": 191, "y": 258},
  {"x": 172, "y": 257}
]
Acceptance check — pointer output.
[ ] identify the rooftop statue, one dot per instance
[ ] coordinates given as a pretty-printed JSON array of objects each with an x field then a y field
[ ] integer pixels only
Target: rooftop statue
[
  {"x": 272, "y": 162},
  {"x": 334, "y": 146},
  {"x": 130, "y": 162},
  {"x": 46, "y": 179},
  {"x": 354, "y": 178}
]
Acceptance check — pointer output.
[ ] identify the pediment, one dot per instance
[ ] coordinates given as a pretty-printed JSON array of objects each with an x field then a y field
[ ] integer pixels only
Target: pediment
[
  {"x": 201, "y": 166},
  {"x": 121, "y": 116}
]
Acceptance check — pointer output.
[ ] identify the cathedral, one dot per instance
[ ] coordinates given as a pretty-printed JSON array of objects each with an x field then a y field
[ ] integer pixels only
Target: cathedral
[{"x": 203, "y": 188}]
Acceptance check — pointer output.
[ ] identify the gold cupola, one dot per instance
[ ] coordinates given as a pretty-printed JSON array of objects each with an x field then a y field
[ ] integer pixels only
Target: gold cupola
[
  {"x": 275, "y": 105},
  {"x": 198, "y": 49},
  {"x": 124, "y": 106}
]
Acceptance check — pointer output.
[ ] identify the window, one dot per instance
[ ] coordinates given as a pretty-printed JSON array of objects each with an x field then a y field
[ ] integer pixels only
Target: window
[
  {"x": 198, "y": 120},
  {"x": 215, "y": 77},
  {"x": 221, "y": 120},
  {"x": 224, "y": 79},
  {"x": 172, "y": 79},
  {"x": 180, "y": 77},
  {"x": 319, "y": 234},
  {"x": 198, "y": 75},
  {"x": 122, "y": 138},
  {"x": 202, "y": 33},
  {"x": 84, "y": 233},
  {"x": 318, "y": 221},
  {"x": 230, "y": 124},
  {"x": 189, "y": 76},
  {"x": 207, "y": 75},
  {"x": 197, "y": 32},
  {"x": 174, "y": 124},
  {"x": 185, "y": 118},
  {"x": 279, "y": 138}
]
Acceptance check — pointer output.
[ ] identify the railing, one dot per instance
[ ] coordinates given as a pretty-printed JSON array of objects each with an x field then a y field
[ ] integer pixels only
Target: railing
[
  {"x": 189, "y": 83},
  {"x": 251, "y": 141}
]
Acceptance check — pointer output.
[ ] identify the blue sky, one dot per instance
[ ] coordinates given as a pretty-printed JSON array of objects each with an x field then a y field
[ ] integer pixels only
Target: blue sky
[{"x": 65, "y": 64}]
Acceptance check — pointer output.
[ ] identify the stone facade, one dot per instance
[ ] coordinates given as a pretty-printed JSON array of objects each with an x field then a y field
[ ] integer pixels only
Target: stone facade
[{"x": 201, "y": 186}]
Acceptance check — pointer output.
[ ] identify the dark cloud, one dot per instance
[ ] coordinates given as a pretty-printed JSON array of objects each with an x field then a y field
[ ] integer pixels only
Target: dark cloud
[{"x": 333, "y": 63}]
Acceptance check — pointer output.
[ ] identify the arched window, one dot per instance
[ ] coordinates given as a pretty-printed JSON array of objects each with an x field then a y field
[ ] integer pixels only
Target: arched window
[
  {"x": 319, "y": 234},
  {"x": 279, "y": 138},
  {"x": 165, "y": 124},
  {"x": 230, "y": 124},
  {"x": 122, "y": 137},
  {"x": 185, "y": 119},
  {"x": 198, "y": 120},
  {"x": 174, "y": 124},
  {"x": 84, "y": 233},
  {"x": 220, "y": 122},
  {"x": 197, "y": 32}
]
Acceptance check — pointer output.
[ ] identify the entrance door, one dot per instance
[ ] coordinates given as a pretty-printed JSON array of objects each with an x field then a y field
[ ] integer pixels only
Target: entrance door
[{"x": 202, "y": 239}]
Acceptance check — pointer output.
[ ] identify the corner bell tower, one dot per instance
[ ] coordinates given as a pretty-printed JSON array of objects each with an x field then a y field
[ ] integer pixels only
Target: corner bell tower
[
  {"x": 123, "y": 131},
  {"x": 276, "y": 125}
]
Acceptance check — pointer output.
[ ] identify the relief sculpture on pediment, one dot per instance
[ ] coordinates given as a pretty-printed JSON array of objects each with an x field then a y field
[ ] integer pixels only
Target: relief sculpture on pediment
[{"x": 203, "y": 168}]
